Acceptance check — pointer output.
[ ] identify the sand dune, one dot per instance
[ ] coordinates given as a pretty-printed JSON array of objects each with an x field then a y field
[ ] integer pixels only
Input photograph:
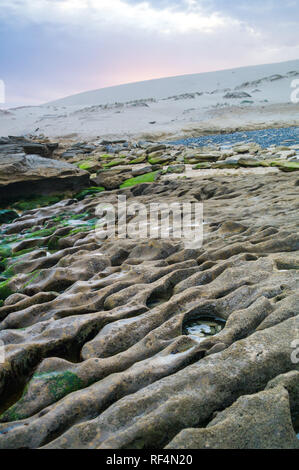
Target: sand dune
[{"x": 256, "y": 96}]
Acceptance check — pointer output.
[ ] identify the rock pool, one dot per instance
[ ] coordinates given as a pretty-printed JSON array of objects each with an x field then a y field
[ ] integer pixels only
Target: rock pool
[{"x": 287, "y": 136}]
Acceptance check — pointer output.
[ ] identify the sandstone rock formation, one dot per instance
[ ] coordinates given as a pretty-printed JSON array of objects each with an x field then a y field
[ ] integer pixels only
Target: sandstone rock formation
[
  {"x": 96, "y": 350},
  {"x": 25, "y": 175}
]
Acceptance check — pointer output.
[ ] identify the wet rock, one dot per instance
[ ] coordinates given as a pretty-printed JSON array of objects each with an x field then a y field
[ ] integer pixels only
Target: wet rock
[
  {"x": 177, "y": 400},
  {"x": 242, "y": 149},
  {"x": 113, "y": 141},
  {"x": 111, "y": 180},
  {"x": 4, "y": 140},
  {"x": 7, "y": 216},
  {"x": 156, "y": 148},
  {"x": 176, "y": 169},
  {"x": 12, "y": 145},
  {"x": 218, "y": 347},
  {"x": 144, "y": 170},
  {"x": 207, "y": 157},
  {"x": 89, "y": 165},
  {"x": 70, "y": 154},
  {"x": 228, "y": 163},
  {"x": 202, "y": 166},
  {"x": 44, "y": 150},
  {"x": 159, "y": 158},
  {"x": 286, "y": 166},
  {"x": 137, "y": 160},
  {"x": 113, "y": 163},
  {"x": 226, "y": 154},
  {"x": 232, "y": 227},
  {"x": 249, "y": 162},
  {"x": 286, "y": 154},
  {"x": 138, "y": 181}
]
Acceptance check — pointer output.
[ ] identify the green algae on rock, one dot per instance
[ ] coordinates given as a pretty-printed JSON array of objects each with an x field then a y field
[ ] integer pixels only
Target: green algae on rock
[
  {"x": 5, "y": 290},
  {"x": 175, "y": 169},
  {"x": 162, "y": 160},
  {"x": 106, "y": 156},
  {"x": 93, "y": 190},
  {"x": 286, "y": 166},
  {"x": 113, "y": 163},
  {"x": 146, "y": 178},
  {"x": 89, "y": 165},
  {"x": 5, "y": 250},
  {"x": 141, "y": 159},
  {"x": 56, "y": 384},
  {"x": 36, "y": 201},
  {"x": 202, "y": 166}
]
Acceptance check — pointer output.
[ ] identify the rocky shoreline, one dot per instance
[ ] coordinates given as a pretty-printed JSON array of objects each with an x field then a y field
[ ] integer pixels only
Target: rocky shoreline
[
  {"x": 99, "y": 346},
  {"x": 37, "y": 167}
]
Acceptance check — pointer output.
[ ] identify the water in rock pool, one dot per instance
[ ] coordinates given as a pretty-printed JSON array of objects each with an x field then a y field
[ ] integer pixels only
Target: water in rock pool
[
  {"x": 203, "y": 327},
  {"x": 286, "y": 136}
]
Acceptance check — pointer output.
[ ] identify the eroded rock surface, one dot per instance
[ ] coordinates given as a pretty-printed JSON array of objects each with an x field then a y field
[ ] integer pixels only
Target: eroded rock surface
[
  {"x": 258, "y": 421},
  {"x": 95, "y": 350}
]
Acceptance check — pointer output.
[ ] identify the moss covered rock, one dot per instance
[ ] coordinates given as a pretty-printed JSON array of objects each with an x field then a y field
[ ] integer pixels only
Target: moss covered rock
[
  {"x": 89, "y": 191},
  {"x": 106, "y": 156},
  {"x": 43, "y": 388},
  {"x": 37, "y": 201},
  {"x": 147, "y": 178},
  {"x": 89, "y": 165},
  {"x": 141, "y": 159},
  {"x": 113, "y": 163},
  {"x": 158, "y": 158},
  {"x": 5, "y": 290},
  {"x": 227, "y": 164},
  {"x": 286, "y": 166},
  {"x": 202, "y": 166},
  {"x": 176, "y": 169}
]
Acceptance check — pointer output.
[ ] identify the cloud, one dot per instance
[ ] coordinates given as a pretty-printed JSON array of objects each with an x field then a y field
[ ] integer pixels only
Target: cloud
[
  {"x": 97, "y": 15},
  {"x": 55, "y": 48}
]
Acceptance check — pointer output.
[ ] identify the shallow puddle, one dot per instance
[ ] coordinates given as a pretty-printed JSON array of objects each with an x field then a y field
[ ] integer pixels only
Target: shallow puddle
[
  {"x": 203, "y": 327},
  {"x": 74, "y": 222}
]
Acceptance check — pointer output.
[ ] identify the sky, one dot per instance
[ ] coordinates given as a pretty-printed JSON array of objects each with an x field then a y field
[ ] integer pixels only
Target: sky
[{"x": 54, "y": 48}]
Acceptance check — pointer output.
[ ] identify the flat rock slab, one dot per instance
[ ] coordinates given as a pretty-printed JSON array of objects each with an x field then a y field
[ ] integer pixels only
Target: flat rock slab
[
  {"x": 44, "y": 150},
  {"x": 22, "y": 175}
]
